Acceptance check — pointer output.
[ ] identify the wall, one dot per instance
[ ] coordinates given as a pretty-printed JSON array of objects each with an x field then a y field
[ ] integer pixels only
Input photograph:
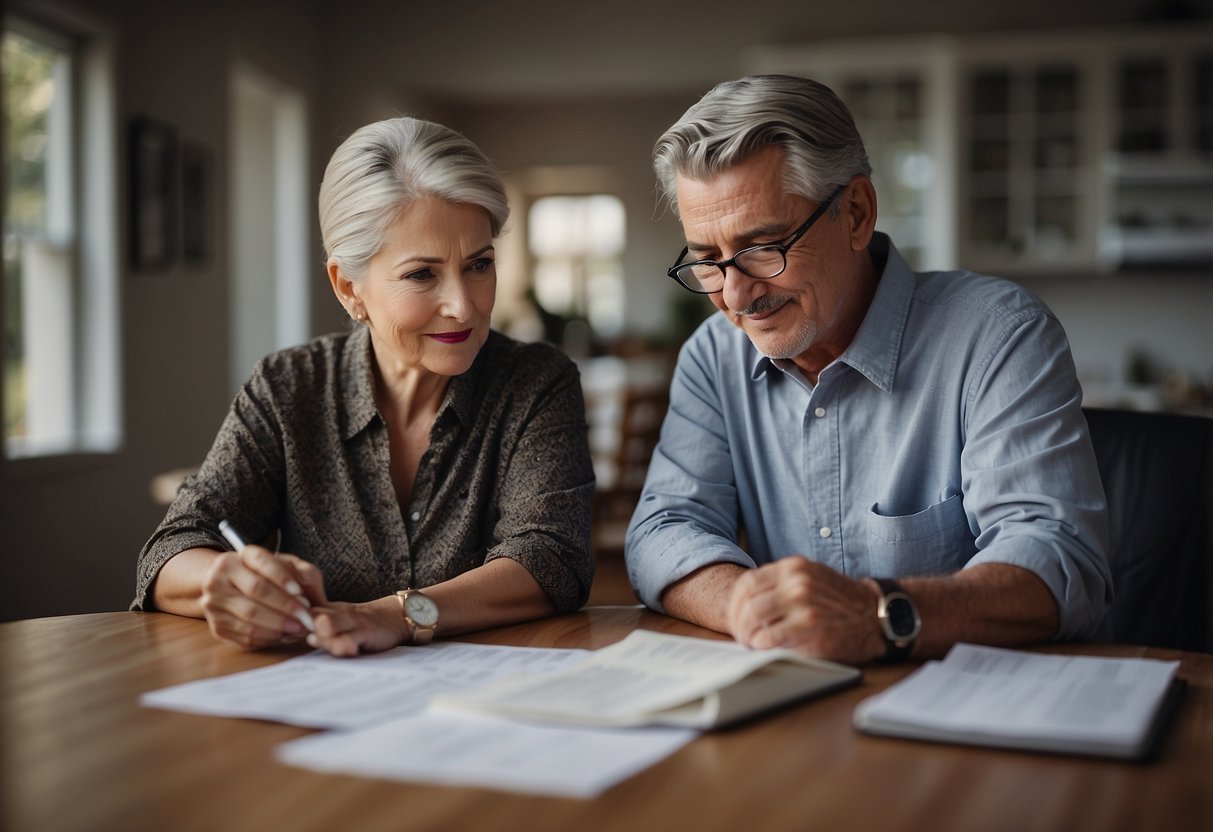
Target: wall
[
  {"x": 72, "y": 528},
  {"x": 1166, "y": 318}
]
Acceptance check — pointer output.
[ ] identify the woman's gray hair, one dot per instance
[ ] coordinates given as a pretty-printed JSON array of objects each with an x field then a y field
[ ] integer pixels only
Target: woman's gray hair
[
  {"x": 382, "y": 168},
  {"x": 822, "y": 148}
]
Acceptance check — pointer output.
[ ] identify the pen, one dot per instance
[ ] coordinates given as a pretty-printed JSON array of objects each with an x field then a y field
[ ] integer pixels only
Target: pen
[{"x": 237, "y": 542}]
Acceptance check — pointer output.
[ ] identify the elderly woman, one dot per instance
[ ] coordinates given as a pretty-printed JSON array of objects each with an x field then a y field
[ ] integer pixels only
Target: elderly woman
[{"x": 421, "y": 474}]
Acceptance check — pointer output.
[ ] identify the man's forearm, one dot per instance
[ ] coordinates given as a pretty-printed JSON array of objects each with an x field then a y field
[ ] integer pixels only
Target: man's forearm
[
  {"x": 991, "y": 603},
  {"x": 703, "y": 596}
]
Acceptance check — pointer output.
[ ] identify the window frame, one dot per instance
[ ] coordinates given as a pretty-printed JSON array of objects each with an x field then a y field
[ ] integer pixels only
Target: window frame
[{"x": 96, "y": 431}]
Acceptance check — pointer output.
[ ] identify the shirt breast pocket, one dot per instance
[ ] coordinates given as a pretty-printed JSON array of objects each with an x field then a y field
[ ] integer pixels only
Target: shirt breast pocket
[{"x": 933, "y": 541}]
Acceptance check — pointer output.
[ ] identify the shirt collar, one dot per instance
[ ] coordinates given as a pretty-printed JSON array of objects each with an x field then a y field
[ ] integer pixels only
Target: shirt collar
[
  {"x": 358, "y": 384},
  {"x": 876, "y": 347}
]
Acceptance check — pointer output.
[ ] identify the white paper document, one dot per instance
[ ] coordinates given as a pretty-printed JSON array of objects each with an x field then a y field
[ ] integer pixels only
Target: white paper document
[
  {"x": 320, "y": 691},
  {"x": 487, "y": 752},
  {"x": 992, "y": 696},
  {"x": 381, "y": 702}
]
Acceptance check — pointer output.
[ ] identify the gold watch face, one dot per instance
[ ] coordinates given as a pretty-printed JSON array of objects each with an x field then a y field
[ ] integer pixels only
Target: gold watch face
[{"x": 421, "y": 609}]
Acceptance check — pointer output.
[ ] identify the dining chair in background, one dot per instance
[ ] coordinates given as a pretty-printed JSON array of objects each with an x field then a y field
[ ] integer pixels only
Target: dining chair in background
[{"x": 1157, "y": 472}]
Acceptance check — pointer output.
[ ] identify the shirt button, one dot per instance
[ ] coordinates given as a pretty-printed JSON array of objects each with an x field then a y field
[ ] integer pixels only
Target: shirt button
[
  {"x": 819, "y": 412},
  {"x": 825, "y": 531},
  {"x": 416, "y": 515}
]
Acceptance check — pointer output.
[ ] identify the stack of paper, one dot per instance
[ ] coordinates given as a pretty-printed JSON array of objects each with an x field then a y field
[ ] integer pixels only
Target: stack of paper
[
  {"x": 380, "y": 702},
  {"x": 320, "y": 691},
  {"x": 1014, "y": 699}
]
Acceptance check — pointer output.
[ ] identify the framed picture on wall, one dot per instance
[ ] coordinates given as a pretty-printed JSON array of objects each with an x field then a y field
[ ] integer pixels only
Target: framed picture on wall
[
  {"x": 153, "y": 194},
  {"x": 196, "y": 187}
]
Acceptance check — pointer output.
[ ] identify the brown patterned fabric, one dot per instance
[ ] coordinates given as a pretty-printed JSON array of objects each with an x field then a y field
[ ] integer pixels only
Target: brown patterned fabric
[{"x": 304, "y": 452}]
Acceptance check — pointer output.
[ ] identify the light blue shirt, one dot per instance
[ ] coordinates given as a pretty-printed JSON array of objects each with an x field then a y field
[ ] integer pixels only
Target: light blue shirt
[{"x": 949, "y": 433}]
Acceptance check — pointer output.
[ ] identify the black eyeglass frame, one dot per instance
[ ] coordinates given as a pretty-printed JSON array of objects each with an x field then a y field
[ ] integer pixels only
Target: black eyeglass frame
[{"x": 782, "y": 248}]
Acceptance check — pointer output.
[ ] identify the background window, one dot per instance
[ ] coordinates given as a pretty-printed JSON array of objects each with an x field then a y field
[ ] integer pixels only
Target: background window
[
  {"x": 59, "y": 329},
  {"x": 576, "y": 242}
]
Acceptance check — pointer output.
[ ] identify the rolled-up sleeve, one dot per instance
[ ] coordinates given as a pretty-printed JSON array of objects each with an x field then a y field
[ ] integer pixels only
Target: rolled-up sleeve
[
  {"x": 240, "y": 479},
  {"x": 546, "y": 494},
  {"x": 1030, "y": 479}
]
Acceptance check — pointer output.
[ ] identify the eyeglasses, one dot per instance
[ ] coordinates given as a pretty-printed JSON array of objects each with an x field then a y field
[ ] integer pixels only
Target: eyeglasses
[{"x": 762, "y": 262}]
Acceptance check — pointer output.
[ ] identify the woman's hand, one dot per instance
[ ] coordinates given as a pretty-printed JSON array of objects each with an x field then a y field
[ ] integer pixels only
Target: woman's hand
[
  {"x": 255, "y": 598},
  {"x": 349, "y": 629}
]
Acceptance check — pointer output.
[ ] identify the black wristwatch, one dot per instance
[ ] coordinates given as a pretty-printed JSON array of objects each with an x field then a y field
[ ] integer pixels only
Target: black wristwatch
[{"x": 899, "y": 620}]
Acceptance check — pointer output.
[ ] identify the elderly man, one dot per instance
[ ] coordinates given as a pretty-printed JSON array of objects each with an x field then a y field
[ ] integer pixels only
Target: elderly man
[{"x": 859, "y": 462}]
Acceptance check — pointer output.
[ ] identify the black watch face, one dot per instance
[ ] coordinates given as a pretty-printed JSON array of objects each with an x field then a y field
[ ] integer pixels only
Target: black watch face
[{"x": 900, "y": 615}]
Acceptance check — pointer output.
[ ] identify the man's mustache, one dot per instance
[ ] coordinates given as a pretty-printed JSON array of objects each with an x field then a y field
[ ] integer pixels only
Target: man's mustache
[{"x": 766, "y": 303}]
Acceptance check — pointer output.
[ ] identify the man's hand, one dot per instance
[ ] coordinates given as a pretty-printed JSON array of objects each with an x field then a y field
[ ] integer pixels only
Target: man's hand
[{"x": 808, "y": 607}]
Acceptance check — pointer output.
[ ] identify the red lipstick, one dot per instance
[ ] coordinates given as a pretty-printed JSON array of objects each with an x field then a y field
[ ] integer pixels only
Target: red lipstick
[{"x": 451, "y": 337}]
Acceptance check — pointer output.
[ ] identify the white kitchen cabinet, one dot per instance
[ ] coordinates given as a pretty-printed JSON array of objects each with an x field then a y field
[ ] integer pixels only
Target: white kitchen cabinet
[
  {"x": 1158, "y": 174},
  {"x": 1033, "y": 153}
]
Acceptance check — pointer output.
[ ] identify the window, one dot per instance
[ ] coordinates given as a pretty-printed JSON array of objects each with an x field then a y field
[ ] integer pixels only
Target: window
[
  {"x": 60, "y": 391},
  {"x": 576, "y": 242}
]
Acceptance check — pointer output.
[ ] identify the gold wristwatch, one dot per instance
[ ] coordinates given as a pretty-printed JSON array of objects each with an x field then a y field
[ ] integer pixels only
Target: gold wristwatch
[{"x": 420, "y": 614}]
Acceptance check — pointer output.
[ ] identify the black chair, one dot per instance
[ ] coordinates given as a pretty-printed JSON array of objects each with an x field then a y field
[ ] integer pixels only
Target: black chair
[{"x": 1157, "y": 471}]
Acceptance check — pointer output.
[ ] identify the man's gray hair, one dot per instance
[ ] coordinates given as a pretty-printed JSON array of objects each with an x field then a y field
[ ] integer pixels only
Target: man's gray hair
[
  {"x": 382, "y": 168},
  {"x": 822, "y": 148}
]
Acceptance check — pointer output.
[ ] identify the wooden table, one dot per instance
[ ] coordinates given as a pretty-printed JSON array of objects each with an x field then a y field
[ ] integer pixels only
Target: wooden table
[{"x": 79, "y": 753}]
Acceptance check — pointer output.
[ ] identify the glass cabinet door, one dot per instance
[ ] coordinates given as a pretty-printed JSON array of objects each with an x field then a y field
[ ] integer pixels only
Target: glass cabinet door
[
  {"x": 1025, "y": 165},
  {"x": 1160, "y": 173},
  {"x": 989, "y": 160},
  {"x": 1202, "y": 105},
  {"x": 1143, "y": 106}
]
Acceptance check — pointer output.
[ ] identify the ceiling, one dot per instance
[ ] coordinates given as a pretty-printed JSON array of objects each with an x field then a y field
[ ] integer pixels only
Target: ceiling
[{"x": 479, "y": 50}]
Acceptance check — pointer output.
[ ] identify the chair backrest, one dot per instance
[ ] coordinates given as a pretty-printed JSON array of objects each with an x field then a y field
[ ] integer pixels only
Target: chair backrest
[
  {"x": 621, "y": 475},
  {"x": 639, "y": 429},
  {"x": 1157, "y": 472}
]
